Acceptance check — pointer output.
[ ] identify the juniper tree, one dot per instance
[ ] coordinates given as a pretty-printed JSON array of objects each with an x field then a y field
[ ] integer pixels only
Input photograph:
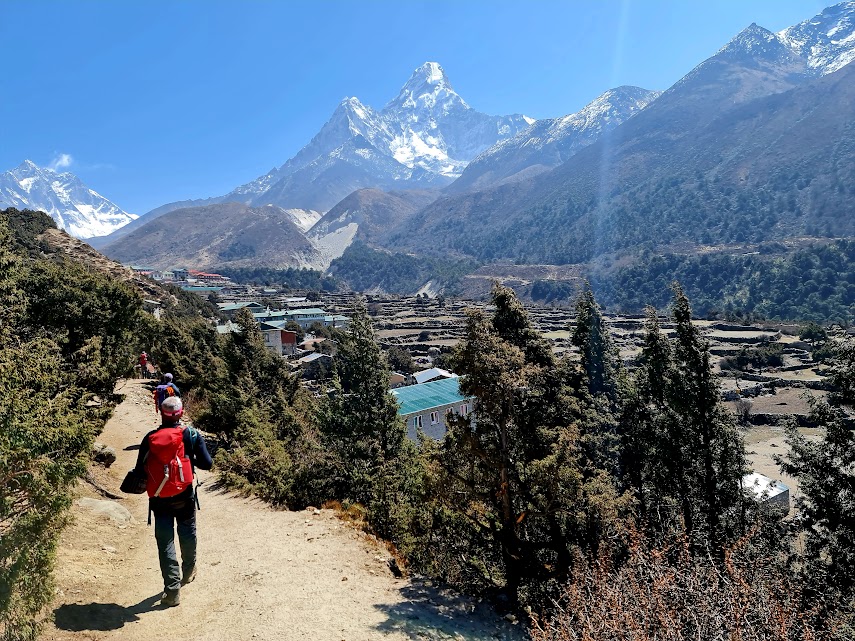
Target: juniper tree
[
  {"x": 267, "y": 420},
  {"x": 363, "y": 427},
  {"x": 514, "y": 479},
  {"x": 842, "y": 374},
  {"x": 643, "y": 416},
  {"x": 824, "y": 470},
  {"x": 600, "y": 365},
  {"x": 599, "y": 356},
  {"x": 46, "y": 427},
  {"x": 703, "y": 453},
  {"x": 682, "y": 455}
]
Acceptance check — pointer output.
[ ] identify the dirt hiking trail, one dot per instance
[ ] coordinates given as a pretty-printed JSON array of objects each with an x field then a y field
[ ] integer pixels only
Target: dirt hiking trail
[{"x": 262, "y": 573}]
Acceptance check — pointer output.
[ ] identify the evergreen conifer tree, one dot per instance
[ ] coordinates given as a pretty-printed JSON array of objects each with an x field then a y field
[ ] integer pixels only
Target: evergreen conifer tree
[
  {"x": 824, "y": 470},
  {"x": 362, "y": 425},
  {"x": 704, "y": 454},
  {"x": 599, "y": 355},
  {"x": 516, "y": 475},
  {"x": 643, "y": 415}
]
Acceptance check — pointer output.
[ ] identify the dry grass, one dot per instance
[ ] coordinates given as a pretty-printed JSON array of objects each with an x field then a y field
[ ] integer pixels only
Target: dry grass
[{"x": 354, "y": 514}]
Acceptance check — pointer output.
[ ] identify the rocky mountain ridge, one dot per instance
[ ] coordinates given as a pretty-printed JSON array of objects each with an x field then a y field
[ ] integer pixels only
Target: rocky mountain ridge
[
  {"x": 549, "y": 142},
  {"x": 753, "y": 144}
]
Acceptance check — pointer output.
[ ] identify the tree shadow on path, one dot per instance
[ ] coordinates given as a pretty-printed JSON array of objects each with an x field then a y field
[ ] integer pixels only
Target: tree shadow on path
[
  {"x": 77, "y": 617},
  {"x": 431, "y": 612}
]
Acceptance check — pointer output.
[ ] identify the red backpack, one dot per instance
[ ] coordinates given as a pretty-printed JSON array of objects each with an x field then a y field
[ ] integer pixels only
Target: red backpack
[{"x": 168, "y": 468}]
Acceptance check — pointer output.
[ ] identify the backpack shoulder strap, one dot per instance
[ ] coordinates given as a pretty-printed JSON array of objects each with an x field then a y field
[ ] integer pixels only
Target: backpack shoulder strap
[{"x": 191, "y": 436}]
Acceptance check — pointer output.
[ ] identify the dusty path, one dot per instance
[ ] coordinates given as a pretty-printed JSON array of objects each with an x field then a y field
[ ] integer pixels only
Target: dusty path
[{"x": 263, "y": 574}]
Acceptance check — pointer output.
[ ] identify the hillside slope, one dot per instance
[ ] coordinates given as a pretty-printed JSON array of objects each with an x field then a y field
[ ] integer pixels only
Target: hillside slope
[
  {"x": 225, "y": 234},
  {"x": 366, "y": 215}
]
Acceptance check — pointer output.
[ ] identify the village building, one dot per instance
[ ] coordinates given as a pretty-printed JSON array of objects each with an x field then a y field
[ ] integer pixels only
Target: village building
[
  {"x": 305, "y": 318},
  {"x": 425, "y": 407},
  {"x": 153, "y": 307},
  {"x": 228, "y": 327},
  {"x": 312, "y": 343},
  {"x": 767, "y": 491},
  {"x": 231, "y": 309},
  {"x": 315, "y": 365},
  {"x": 396, "y": 379},
  {"x": 207, "y": 278},
  {"x": 201, "y": 288},
  {"x": 281, "y": 342}
]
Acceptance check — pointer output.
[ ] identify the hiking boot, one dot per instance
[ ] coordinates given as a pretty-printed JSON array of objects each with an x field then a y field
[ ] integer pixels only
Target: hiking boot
[
  {"x": 189, "y": 577},
  {"x": 170, "y": 599}
]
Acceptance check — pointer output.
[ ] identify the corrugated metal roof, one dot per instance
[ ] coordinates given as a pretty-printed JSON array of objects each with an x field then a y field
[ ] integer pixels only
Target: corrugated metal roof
[
  {"x": 311, "y": 311},
  {"x": 763, "y": 486},
  {"x": 434, "y": 372},
  {"x": 228, "y": 307},
  {"x": 272, "y": 324},
  {"x": 415, "y": 399},
  {"x": 313, "y": 357},
  {"x": 227, "y": 328}
]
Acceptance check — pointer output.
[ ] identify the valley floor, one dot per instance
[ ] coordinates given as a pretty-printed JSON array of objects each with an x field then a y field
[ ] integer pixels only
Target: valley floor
[{"x": 263, "y": 573}]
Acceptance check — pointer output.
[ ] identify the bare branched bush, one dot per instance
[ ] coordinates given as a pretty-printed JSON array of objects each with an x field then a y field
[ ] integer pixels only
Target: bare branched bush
[
  {"x": 743, "y": 410},
  {"x": 665, "y": 594}
]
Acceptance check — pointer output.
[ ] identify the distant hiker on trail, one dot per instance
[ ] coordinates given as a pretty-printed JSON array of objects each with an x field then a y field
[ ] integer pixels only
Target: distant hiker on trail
[
  {"x": 168, "y": 458},
  {"x": 143, "y": 365},
  {"x": 166, "y": 389}
]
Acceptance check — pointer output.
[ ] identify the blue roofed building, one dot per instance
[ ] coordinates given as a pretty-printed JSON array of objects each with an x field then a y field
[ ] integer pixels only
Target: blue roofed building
[{"x": 425, "y": 407}]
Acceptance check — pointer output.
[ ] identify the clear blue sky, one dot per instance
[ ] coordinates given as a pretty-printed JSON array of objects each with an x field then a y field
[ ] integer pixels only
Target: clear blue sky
[{"x": 159, "y": 101}]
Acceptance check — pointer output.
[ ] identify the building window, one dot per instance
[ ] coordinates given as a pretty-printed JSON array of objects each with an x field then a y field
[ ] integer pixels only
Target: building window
[
  {"x": 463, "y": 410},
  {"x": 434, "y": 418},
  {"x": 450, "y": 410},
  {"x": 417, "y": 422}
]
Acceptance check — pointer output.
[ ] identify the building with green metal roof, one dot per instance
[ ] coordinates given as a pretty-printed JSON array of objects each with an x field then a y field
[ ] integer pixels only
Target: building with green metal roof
[{"x": 426, "y": 406}]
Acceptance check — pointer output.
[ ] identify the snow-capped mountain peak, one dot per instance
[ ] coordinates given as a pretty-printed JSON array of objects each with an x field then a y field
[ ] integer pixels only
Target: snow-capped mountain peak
[
  {"x": 424, "y": 137},
  {"x": 826, "y": 41},
  {"x": 427, "y": 87},
  {"x": 753, "y": 39},
  {"x": 76, "y": 208}
]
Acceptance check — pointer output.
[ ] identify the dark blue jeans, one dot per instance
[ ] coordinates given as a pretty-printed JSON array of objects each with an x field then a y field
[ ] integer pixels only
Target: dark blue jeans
[{"x": 164, "y": 531}]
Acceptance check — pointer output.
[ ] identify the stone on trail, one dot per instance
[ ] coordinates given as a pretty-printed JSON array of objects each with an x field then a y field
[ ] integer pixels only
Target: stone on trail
[
  {"x": 103, "y": 454},
  {"x": 112, "y": 510}
]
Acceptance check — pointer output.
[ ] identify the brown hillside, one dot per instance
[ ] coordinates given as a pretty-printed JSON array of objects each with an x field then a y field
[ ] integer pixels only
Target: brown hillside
[{"x": 230, "y": 234}]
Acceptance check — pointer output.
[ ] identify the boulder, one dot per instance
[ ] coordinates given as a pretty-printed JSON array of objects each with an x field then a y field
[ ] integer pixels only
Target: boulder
[
  {"x": 103, "y": 454},
  {"x": 114, "y": 511}
]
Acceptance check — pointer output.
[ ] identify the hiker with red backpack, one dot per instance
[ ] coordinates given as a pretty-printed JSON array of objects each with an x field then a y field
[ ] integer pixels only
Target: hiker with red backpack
[
  {"x": 165, "y": 390},
  {"x": 167, "y": 459}
]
